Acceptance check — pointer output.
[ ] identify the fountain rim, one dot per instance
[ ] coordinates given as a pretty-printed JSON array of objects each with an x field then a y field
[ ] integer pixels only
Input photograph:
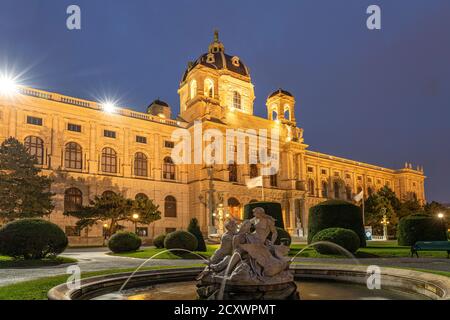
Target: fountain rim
[{"x": 434, "y": 286}]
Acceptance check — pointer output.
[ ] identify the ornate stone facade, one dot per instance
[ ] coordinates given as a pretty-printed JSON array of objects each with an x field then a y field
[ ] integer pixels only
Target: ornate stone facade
[{"x": 90, "y": 151}]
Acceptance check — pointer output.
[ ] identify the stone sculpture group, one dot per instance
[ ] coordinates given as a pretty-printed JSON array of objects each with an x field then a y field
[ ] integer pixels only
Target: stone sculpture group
[{"x": 248, "y": 264}]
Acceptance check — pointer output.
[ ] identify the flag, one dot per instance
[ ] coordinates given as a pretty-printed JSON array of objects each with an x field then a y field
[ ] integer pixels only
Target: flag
[
  {"x": 255, "y": 182},
  {"x": 359, "y": 196}
]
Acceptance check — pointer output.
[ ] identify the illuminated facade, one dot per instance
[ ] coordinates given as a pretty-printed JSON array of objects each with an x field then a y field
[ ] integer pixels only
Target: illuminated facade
[{"x": 89, "y": 151}]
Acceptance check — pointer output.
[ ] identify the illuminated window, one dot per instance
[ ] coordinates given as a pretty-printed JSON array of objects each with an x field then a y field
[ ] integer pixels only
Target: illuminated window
[
  {"x": 254, "y": 171},
  {"x": 73, "y": 156},
  {"x": 236, "y": 100},
  {"x": 73, "y": 200},
  {"x": 109, "y": 134},
  {"x": 170, "y": 207},
  {"x": 324, "y": 189},
  {"x": 140, "y": 139},
  {"x": 168, "y": 169},
  {"x": 140, "y": 164},
  {"x": 34, "y": 121},
  {"x": 311, "y": 186},
  {"x": 74, "y": 127},
  {"x": 232, "y": 172},
  {"x": 109, "y": 160},
  {"x": 35, "y": 147},
  {"x": 193, "y": 89},
  {"x": 209, "y": 88}
]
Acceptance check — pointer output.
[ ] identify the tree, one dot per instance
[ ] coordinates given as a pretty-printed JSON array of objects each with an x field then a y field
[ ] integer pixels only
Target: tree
[
  {"x": 195, "y": 230},
  {"x": 376, "y": 206},
  {"x": 409, "y": 207},
  {"x": 24, "y": 192},
  {"x": 390, "y": 195},
  {"x": 114, "y": 209},
  {"x": 434, "y": 208}
]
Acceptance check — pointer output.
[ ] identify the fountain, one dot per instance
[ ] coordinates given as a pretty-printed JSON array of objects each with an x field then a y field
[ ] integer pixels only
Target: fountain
[{"x": 248, "y": 264}]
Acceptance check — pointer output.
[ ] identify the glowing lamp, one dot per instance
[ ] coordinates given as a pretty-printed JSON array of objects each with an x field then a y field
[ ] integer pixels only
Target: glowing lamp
[
  {"x": 7, "y": 85},
  {"x": 109, "y": 107}
]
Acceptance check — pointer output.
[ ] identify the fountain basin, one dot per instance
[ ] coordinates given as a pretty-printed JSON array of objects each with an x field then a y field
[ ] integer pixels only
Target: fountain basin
[{"x": 418, "y": 284}]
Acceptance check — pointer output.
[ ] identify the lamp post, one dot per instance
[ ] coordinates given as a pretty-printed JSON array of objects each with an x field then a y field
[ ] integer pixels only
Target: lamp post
[
  {"x": 440, "y": 215},
  {"x": 135, "y": 219},
  {"x": 385, "y": 223}
]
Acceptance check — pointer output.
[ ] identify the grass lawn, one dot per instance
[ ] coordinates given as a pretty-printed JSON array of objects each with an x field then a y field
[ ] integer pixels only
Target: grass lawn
[
  {"x": 374, "y": 249},
  {"x": 37, "y": 289},
  {"x": 149, "y": 252},
  {"x": 10, "y": 263}
]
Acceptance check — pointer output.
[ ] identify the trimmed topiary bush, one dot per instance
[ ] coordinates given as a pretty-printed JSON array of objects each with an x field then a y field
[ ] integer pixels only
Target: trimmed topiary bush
[
  {"x": 195, "y": 230},
  {"x": 32, "y": 239},
  {"x": 273, "y": 209},
  {"x": 345, "y": 238},
  {"x": 283, "y": 237},
  {"x": 159, "y": 241},
  {"x": 420, "y": 227},
  {"x": 124, "y": 242},
  {"x": 336, "y": 214},
  {"x": 180, "y": 240}
]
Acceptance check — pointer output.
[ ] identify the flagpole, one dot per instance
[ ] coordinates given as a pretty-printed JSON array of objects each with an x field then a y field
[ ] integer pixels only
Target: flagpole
[{"x": 363, "y": 215}]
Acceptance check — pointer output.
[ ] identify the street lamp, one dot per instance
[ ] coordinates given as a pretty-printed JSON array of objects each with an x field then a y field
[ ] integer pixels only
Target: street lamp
[
  {"x": 135, "y": 218},
  {"x": 385, "y": 223},
  {"x": 440, "y": 215}
]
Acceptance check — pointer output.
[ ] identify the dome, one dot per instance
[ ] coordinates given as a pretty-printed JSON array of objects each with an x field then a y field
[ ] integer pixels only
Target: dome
[
  {"x": 217, "y": 59},
  {"x": 159, "y": 107},
  {"x": 281, "y": 91}
]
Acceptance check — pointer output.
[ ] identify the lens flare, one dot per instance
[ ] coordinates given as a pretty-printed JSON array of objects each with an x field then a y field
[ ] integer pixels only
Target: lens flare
[{"x": 8, "y": 85}]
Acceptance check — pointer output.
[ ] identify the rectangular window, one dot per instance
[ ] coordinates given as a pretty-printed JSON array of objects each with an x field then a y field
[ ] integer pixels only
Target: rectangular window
[
  {"x": 347, "y": 176},
  {"x": 74, "y": 127},
  {"x": 169, "y": 144},
  {"x": 379, "y": 181},
  {"x": 141, "y": 139},
  {"x": 109, "y": 134},
  {"x": 359, "y": 178},
  {"x": 310, "y": 169},
  {"x": 324, "y": 171},
  {"x": 369, "y": 179},
  {"x": 72, "y": 231},
  {"x": 34, "y": 121},
  {"x": 336, "y": 174}
]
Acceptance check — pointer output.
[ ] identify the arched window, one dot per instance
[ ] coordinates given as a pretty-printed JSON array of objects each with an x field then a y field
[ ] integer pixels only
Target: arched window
[
  {"x": 109, "y": 160},
  {"x": 168, "y": 169},
  {"x": 108, "y": 194},
  {"x": 170, "y": 207},
  {"x": 35, "y": 147},
  {"x": 287, "y": 112},
  {"x": 324, "y": 189},
  {"x": 311, "y": 187},
  {"x": 337, "y": 190},
  {"x": 348, "y": 192},
  {"x": 232, "y": 172},
  {"x": 253, "y": 171},
  {"x": 274, "y": 115},
  {"x": 141, "y": 196},
  {"x": 236, "y": 100},
  {"x": 209, "y": 88},
  {"x": 73, "y": 200},
  {"x": 73, "y": 158},
  {"x": 193, "y": 89},
  {"x": 140, "y": 165}
]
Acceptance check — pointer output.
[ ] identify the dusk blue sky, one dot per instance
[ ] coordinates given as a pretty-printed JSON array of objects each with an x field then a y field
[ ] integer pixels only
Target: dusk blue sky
[{"x": 381, "y": 97}]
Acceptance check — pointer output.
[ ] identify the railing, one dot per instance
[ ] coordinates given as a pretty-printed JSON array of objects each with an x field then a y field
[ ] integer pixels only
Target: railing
[{"x": 94, "y": 105}]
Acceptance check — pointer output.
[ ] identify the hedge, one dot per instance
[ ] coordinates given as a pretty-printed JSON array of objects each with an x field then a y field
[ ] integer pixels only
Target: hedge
[
  {"x": 159, "y": 241},
  {"x": 124, "y": 242},
  {"x": 180, "y": 240},
  {"x": 345, "y": 238},
  {"x": 195, "y": 230},
  {"x": 420, "y": 227},
  {"x": 32, "y": 239},
  {"x": 336, "y": 214}
]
